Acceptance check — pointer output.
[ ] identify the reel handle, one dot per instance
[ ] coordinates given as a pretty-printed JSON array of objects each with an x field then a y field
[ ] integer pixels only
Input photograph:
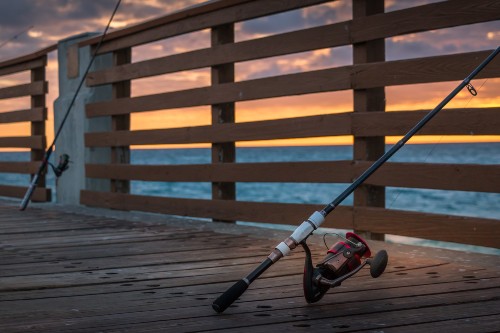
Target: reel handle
[{"x": 378, "y": 263}]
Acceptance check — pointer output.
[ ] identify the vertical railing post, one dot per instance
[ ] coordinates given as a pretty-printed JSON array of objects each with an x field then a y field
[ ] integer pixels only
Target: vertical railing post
[
  {"x": 38, "y": 127},
  {"x": 224, "y": 152},
  {"x": 121, "y": 155},
  {"x": 368, "y": 100}
]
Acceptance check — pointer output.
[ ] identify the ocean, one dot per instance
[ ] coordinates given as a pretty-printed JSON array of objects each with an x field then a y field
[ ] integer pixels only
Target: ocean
[{"x": 476, "y": 204}]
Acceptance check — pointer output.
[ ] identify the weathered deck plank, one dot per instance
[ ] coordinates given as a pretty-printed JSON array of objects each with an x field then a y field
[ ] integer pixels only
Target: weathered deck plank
[{"x": 64, "y": 271}]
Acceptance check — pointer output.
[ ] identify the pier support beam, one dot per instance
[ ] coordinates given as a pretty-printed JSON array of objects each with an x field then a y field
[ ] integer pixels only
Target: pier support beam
[
  {"x": 369, "y": 100},
  {"x": 73, "y": 62}
]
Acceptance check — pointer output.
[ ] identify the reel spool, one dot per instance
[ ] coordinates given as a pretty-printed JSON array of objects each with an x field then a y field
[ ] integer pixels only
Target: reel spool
[{"x": 342, "y": 261}]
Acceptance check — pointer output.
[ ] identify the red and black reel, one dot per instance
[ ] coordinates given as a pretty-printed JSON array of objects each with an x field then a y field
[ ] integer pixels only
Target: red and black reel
[{"x": 343, "y": 260}]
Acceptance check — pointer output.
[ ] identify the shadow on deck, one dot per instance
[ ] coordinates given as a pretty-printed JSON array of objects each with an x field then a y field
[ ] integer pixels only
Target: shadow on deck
[{"x": 83, "y": 270}]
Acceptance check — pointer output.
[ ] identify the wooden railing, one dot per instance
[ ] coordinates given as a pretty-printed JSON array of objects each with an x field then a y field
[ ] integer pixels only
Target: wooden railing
[
  {"x": 368, "y": 123},
  {"x": 36, "y": 115}
]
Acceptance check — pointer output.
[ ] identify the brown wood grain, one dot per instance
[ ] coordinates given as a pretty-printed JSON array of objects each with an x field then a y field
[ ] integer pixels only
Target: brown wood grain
[
  {"x": 473, "y": 121},
  {"x": 451, "y": 177},
  {"x": 423, "y": 70},
  {"x": 40, "y": 194},
  {"x": 34, "y": 88},
  {"x": 23, "y": 66},
  {"x": 278, "y": 213},
  {"x": 19, "y": 167},
  {"x": 283, "y": 85},
  {"x": 458, "y": 229},
  {"x": 360, "y": 76},
  {"x": 34, "y": 114},
  {"x": 193, "y": 19},
  {"x": 457, "y": 177},
  {"x": 305, "y": 172},
  {"x": 34, "y": 141},
  {"x": 287, "y": 43},
  {"x": 381, "y": 26},
  {"x": 312, "y": 126},
  {"x": 28, "y": 57},
  {"x": 428, "y": 17}
]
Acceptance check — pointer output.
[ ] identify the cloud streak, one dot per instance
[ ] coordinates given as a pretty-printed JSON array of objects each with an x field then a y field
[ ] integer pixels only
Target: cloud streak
[{"x": 53, "y": 20}]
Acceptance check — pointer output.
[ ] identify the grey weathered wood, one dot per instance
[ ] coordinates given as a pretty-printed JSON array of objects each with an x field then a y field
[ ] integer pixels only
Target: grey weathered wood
[{"x": 89, "y": 273}]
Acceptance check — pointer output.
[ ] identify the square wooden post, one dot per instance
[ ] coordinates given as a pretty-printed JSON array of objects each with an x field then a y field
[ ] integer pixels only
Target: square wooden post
[
  {"x": 368, "y": 100},
  {"x": 224, "y": 152},
  {"x": 38, "y": 127},
  {"x": 121, "y": 89}
]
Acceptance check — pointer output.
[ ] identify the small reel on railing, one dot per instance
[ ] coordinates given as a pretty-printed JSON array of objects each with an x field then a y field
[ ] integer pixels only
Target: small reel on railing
[
  {"x": 342, "y": 261},
  {"x": 62, "y": 166}
]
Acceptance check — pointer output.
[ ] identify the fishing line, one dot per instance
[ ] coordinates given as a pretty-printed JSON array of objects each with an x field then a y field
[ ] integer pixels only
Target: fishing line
[
  {"x": 16, "y": 35},
  {"x": 49, "y": 150},
  {"x": 473, "y": 93}
]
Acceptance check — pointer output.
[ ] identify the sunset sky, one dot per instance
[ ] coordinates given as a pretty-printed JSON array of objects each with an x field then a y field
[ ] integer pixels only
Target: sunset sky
[{"x": 27, "y": 26}]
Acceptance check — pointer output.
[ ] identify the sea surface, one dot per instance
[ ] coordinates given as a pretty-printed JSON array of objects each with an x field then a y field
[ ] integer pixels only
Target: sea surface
[{"x": 463, "y": 203}]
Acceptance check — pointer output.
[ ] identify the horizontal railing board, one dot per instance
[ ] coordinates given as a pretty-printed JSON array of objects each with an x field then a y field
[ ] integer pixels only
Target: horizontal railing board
[
  {"x": 423, "y": 70},
  {"x": 23, "y": 66},
  {"x": 445, "y": 14},
  {"x": 277, "y": 213},
  {"x": 477, "y": 121},
  {"x": 34, "y": 141},
  {"x": 287, "y": 43},
  {"x": 40, "y": 194},
  {"x": 448, "y": 122},
  {"x": 459, "y": 177},
  {"x": 307, "y": 172},
  {"x": 301, "y": 127},
  {"x": 459, "y": 229},
  {"x": 35, "y": 114},
  {"x": 338, "y": 34},
  {"x": 410, "y": 20},
  {"x": 401, "y": 72},
  {"x": 19, "y": 167},
  {"x": 28, "y": 57},
  {"x": 475, "y": 231},
  {"x": 283, "y": 85},
  {"x": 234, "y": 11},
  {"x": 28, "y": 89},
  {"x": 176, "y": 16}
]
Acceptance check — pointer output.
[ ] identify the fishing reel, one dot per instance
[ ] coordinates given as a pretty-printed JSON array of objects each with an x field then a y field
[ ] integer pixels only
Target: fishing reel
[
  {"x": 62, "y": 166},
  {"x": 342, "y": 261}
]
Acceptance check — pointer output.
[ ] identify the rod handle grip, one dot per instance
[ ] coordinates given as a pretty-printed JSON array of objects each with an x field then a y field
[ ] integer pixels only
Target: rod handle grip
[
  {"x": 229, "y": 296},
  {"x": 29, "y": 193}
]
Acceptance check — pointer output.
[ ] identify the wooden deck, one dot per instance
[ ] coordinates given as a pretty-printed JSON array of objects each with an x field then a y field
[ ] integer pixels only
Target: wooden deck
[{"x": 68, "y": 271}]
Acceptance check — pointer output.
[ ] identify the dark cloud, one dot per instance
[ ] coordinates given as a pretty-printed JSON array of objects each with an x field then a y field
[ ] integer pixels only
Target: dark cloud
[
  {"x": 58, "y": 19},
  {"x": 274, "y": 24},
  {"x": 297, "y": 19}
]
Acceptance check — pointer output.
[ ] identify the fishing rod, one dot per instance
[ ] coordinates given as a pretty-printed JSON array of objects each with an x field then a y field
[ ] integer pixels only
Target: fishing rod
[
  {"x": 48, "y": 152},
  {"x": 344, "y": 258}
]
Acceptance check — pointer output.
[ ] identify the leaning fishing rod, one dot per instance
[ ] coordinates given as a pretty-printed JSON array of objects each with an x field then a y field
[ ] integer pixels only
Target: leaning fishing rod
[
  {"x": 344, "y": 258},
  {"x": 64, "y": 158}
]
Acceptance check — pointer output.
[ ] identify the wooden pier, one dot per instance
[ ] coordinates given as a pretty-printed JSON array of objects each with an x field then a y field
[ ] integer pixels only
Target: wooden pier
[{"x": 84, "y": 270}]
